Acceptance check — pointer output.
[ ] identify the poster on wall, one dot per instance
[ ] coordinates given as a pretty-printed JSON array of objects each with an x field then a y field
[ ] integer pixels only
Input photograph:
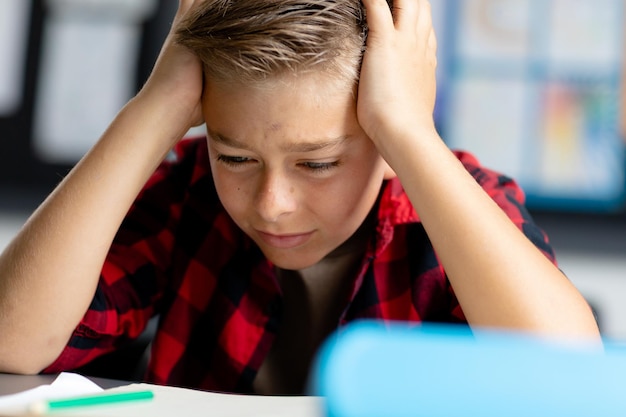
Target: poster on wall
[
  {"x": 14, "y": 27},
  {"x": 90, "y": 52},
  {"x": 532, "y": 88}
]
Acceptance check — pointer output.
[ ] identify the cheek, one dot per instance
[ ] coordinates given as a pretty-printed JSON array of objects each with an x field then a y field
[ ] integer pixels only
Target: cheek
[
  {"x": 361, "y": 193},
  {"x": 230, "y": 191},
  {"x": 351, "y": 197}
]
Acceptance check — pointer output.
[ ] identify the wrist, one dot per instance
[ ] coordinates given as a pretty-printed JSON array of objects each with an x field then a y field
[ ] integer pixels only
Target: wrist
[
  {"x": 403, "y": 135},
  {"x": 167, "y": 120}
]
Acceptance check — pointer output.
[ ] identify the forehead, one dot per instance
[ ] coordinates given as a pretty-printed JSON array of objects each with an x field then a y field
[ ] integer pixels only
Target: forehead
[
  {"x": 302, "y": 107},
  {"x": 311, "y": 83}
]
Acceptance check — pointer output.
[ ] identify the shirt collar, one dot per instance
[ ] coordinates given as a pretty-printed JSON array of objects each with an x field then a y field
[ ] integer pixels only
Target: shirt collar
[{"x": 394, "y": 209}]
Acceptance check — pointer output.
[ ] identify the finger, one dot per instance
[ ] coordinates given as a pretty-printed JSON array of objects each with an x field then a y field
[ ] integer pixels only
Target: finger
[
  {"x": 406, "y": 13},
  {"x": 424, "y": 16},
  {"x": 432, "y": 40},
  {"x": 432, "y": 46},
  {"x": 183, "y": 7},
  {"x": 379, "y": 18}
]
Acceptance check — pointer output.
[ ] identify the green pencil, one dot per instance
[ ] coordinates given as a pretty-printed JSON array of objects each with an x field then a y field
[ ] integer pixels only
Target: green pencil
[{"x": 43, "y": 407}]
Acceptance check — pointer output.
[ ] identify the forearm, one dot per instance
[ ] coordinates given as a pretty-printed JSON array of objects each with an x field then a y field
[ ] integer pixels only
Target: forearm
[
  {"x": 49, "y": 273},
  {"x": 500, "y": 278}
]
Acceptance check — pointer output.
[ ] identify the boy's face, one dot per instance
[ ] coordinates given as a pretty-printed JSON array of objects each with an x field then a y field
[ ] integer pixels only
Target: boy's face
[{"x": 291, "y": 165}]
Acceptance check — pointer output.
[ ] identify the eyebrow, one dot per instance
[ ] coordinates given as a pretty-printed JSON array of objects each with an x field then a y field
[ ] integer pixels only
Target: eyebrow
[{"x": 289, "y": 147}]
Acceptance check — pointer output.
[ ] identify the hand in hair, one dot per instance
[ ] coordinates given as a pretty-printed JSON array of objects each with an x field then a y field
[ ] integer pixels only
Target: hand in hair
[
  {"x": 397, "y": 85},
  {"x": 178, "y": 75}
]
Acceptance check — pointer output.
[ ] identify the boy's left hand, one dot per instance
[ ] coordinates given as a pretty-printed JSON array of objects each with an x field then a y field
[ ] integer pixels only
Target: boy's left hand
[{"x": 397, "y": 86}]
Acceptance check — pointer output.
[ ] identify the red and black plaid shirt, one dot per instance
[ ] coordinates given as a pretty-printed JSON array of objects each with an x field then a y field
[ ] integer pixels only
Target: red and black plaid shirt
[{"x": 180, "y": 256}]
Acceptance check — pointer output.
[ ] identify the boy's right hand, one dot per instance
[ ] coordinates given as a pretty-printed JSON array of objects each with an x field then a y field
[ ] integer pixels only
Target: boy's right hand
[
  {"x": 55, "y": 261},
  {"x": 177, "y": 77}
]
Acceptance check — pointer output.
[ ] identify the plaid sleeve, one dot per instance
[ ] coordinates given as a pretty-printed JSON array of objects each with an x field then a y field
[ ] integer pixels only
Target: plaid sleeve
[{"x": 134, "y": 273}]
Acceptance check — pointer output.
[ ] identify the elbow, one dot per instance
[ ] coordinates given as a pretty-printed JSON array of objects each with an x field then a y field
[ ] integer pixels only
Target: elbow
[
  {"x": 589, "y": 328},
  {"x": 584, "y": 330},
  {"x": 29, "y": 359},
  {"x": 21, "y": 367},
  {"x": 579, "y": 324}
]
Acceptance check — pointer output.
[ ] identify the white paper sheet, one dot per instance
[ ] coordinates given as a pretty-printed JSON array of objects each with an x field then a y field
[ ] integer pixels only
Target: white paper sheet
[{"x": 65, "y": 385}]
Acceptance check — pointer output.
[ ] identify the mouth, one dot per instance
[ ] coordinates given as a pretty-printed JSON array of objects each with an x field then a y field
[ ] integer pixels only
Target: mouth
[{"x": 284, "y": 241}]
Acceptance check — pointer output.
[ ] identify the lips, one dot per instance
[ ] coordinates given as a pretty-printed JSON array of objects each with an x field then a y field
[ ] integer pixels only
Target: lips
[{"x": 284, "y": 241}]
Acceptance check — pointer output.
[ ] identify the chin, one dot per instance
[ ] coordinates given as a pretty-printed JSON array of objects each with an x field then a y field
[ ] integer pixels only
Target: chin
[
  {"x": 293, "y": 262},
  {"x": 292, "y": 265}
]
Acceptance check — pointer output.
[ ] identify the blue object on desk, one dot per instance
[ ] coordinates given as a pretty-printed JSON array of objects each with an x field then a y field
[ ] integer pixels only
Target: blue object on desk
[{"x": 371, "y": 369}]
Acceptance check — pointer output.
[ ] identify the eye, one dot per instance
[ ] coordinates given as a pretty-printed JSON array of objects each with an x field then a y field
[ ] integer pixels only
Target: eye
[
  {"x": 319, "y": 166},
  {"x": 234, "y": 161}
]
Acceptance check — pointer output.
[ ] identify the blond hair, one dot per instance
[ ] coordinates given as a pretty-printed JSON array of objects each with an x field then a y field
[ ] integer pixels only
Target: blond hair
[{"x": 254, "y": 40}]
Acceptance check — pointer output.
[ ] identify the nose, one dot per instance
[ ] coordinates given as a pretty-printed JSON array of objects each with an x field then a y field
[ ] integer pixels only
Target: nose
[{"x": 276, "y": 197}]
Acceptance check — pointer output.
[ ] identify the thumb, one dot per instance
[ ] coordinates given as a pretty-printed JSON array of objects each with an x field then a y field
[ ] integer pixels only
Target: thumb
[{"x": 183, "y": 7}]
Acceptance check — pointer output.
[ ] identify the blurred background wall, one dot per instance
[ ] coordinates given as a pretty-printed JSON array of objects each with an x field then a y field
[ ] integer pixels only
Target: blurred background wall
[{"x": 532, "y": 87}]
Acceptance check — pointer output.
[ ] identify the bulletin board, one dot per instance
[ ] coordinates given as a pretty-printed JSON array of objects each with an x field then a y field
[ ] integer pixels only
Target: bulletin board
[{"x": 533, "y": 89}]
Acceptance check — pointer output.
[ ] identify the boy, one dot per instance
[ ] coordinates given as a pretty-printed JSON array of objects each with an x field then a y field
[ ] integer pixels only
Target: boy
[{"x": 322, "y": 194}]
